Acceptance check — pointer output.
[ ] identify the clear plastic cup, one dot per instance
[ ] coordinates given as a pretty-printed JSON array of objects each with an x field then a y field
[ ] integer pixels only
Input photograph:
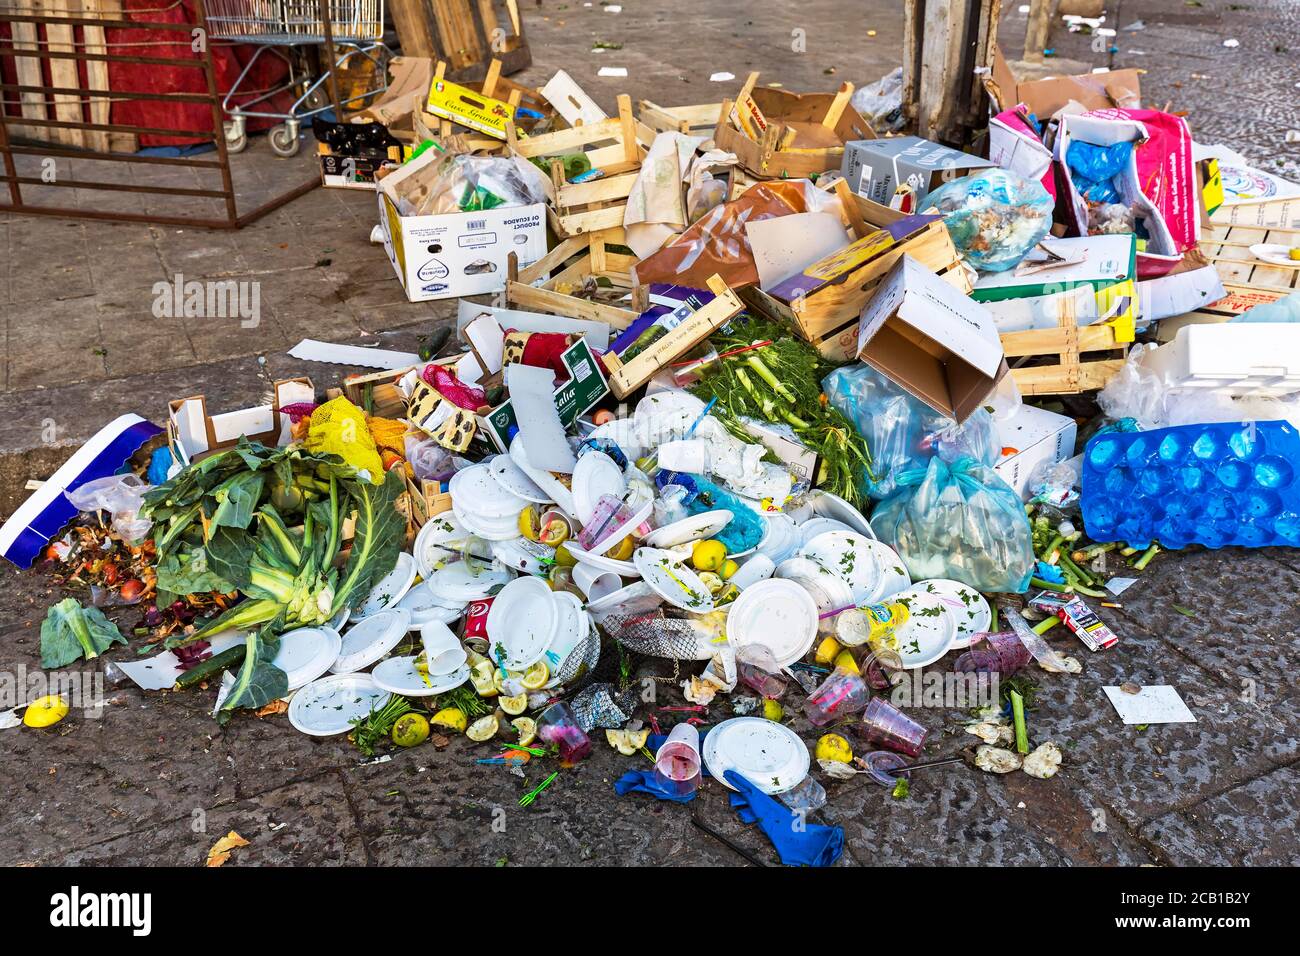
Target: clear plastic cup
[
  {"x": 557, "y": 727},
  {"x": 677, "y": 762},
  {"x": 885, "y": 725},
  {"x": 840, "y": 695},
  {"x": 809, "y": 795}
]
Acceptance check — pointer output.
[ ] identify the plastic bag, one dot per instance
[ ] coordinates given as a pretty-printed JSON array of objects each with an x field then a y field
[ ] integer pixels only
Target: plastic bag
[
  {"x": 902, "y": 431},
  {"x": 466, "y": 183},
  {"x": 1285, "y": 309},
  {"x": 717, "y": 243},
  {"x": 119, "y": 495},
  {"x": 881, "y": 103},
  {"x": 994, "y": 216},
  {"x": 958, "y": 521},
  {"x": 1094, "y": 167},
  {"x": 339, "y": 428}
]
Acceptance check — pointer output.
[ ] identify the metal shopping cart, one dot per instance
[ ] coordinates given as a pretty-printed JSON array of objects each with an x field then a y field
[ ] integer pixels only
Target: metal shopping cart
[{"x": 285, "y": 28}]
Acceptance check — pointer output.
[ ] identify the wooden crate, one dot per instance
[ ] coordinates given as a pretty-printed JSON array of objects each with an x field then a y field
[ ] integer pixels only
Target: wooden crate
[
  {"x": 1228, "y": 247},
  {"x": 465, "y": 33},
  {"x": 626, "y": 378},
  {"x": 616, "y": 146},
  {"x": 699, "y": 120},
  {"x": 828, "y": 317},
  {"x": 539, "y": 287},
  {"x": 805, "y": 136},
  {"x": 1068, "y": 370},
  {"x": 498, "y": 87}
]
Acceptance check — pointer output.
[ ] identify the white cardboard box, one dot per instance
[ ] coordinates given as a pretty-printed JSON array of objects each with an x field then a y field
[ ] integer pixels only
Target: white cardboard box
[
  {"x": 463, "y": 253},
  {"x": 931, "y": 339},
  {"x": 1037, "y": 435}
]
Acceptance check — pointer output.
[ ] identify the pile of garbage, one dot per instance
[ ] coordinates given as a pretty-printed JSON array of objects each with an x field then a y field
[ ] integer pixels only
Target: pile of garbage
[{"x": 725, "y": 470}]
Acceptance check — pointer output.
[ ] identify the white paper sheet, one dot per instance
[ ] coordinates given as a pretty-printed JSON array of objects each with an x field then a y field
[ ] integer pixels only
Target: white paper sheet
[{"x": 1157, "y": 704}]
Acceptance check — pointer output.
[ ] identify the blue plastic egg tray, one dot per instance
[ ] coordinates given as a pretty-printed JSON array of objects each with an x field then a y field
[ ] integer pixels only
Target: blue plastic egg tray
[{"x": 1216, "y": 485}]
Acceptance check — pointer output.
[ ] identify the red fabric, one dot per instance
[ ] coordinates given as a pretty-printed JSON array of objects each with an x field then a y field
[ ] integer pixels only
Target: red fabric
[
  {"x": 544, "y": 350},
  {"x": 229, "y": 59}
]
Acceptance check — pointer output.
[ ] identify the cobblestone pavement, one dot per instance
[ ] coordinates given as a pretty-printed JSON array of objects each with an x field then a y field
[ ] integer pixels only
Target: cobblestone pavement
[{"x": 156, "y": 780}]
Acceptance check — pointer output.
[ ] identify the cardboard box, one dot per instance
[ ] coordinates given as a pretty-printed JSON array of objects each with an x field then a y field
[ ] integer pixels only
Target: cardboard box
[
  {"x": 931, "y": 339},
  {"x": 780, "y": 439},
  {"x": 880, "y": 168},
  {"x": 1044, "y": 97},
  {"x": 196, "y": 434},
  {"x": 584, "y": 387},
  {"x": 457, "y": 254},
  {"x": 1028, "y": 437}
]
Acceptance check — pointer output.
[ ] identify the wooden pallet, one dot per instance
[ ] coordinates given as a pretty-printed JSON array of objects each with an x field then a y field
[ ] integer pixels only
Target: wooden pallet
[
  {"x": 465, "y": 33},
  {"x": 616, "y": 146},
  {"x": 539, "y": 288},
  {"x": 699, "y": 120}
]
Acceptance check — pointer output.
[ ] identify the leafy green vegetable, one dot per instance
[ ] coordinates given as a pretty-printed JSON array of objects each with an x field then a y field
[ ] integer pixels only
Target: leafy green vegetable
[
  {"x": 259, "y": 681},
  {"x": 378, "y": 724},
  {"x": 71, "y": 632},
  {"x": 188, "y": 572}
]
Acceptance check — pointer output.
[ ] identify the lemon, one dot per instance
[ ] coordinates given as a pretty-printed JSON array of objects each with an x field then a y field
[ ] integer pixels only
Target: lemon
[
  {"x": 555, "y": 532},
  {"x": 503, "y": 684},
  {"x": 624, "y": 550},
  {"x": 45, "y": 711},
  {"x": 536, "y": 676},
  {"x": 481, "y": 677},
  {"x": 527, "y": 728},
  {"x": 410, "y": 730},
  {"x": 453, "y": 718},
  {"x": 845, "y": 660},
  {"x": 835, "y": 748},
  {"x": 708, "y": 555},
  {"x": 485, "y": 728},
  {"x": 728, "y": 594},
  {"x": 729, "y": 567},
  {"x": 773, "y": 711},
  {"x": 711, "y": 581},
  {"x": 514, "y": 705},
  {"x": 529, "y": 523},
  {"x": 826, "y": 651},
  {"x": 563, "y": 558}
]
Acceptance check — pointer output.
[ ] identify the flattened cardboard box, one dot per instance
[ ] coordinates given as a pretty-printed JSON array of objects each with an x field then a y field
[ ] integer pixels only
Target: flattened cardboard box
[{"x": 931, "y": 339}]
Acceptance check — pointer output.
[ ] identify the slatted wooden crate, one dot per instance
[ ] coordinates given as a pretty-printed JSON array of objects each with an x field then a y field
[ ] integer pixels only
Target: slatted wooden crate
[
  {"x": 498, "y": 87},
  {"x": 465, "y": 33},
  {"x": 1077, "y": 359},
  {"x": 616, "y": 146},
  {"x": 1228, "y": 247},
  {"x": 699, "y": 120},
  {"x": 541, "y": 288}
]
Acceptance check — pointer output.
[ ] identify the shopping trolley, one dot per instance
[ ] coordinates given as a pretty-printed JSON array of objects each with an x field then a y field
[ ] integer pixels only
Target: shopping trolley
[{"x": 285, "y": 28}]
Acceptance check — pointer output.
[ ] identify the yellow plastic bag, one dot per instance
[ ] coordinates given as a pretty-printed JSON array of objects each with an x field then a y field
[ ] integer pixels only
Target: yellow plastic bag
[{"x": 339, "y": 428}]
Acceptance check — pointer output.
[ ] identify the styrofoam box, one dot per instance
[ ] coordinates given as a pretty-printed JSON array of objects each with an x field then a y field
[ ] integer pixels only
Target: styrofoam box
[{"x": 1236, "y": 358}]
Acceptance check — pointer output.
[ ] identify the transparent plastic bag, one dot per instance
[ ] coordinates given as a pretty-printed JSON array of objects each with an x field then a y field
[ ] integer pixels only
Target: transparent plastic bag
[
  {"x": 881, "y": 103},
  {"x": 958, "y": 521},
  {"x": 467, "y": 183},
  {"x": 121, "y": 496},
  {"x": 902, "y": 431},
  {"x": 1285, "y": 309},
  {"x": 994, "y": 216}
]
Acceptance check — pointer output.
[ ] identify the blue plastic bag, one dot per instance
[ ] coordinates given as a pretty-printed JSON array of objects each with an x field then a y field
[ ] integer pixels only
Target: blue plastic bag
[
  {"x": 958, "y": 521},
  {"x": 1285, "y": 309},
  {"x": 902, "y": 431},
  {"x": 1094, "y": 168},
  {"x": 994, "y": 216}
]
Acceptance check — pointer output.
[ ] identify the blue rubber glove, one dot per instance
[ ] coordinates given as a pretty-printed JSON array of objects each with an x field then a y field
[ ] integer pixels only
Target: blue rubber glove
[
  {"x": 797, "y": 843},
  {"x": 645, "y": 781}
]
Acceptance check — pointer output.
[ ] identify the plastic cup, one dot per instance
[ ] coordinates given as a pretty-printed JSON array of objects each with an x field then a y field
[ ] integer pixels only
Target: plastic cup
[
  {"x": 557, "y": 727},
  {"x": 885, "y": 725},
  {"x": 677, "y": 762},
  {"x": 441, "y": 649},
  {"x": 999, "y": 653},
  {"x": 757, "y": 568},
  {"x": 840, "y": 695},
  {"x": 594, "y": 583},
  {"x": 809, "y": 795}
]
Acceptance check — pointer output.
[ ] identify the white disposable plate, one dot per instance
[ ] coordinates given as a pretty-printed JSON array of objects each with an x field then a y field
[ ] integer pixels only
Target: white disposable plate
[
  {"x": 389, "y": 591},
  {"x": 828, "y": 592},
  {"x": 621, "y": 531},
  {"x": 780, "y": 537},
  {"x": 621, "y": 596},
  {"x": 694, "y": 528},
  {"x": 515, "y": 480},
  {"x": 1276, "y": 254},
  {"x": 602, "y": 562},
  {"x": 478, "y": 494},
  {"x": 398, "y": 674},
  {"x": 769, "y": 755},
  {"x": 572, "y": 628},
  {"x": 816, "y": 525},
  {"x": 670, "y": 578},
  {"x": 520, "y": 554},
  {"x": 438, "y": 543},
  {"x": 489, "y": 529},
  {"x": 594, "y": 475},
  {"x": 776, "y": 613},
  {"x": 850, "y": 557},
  {"x": 328, "y": 705},
  {"x": 521, "y": 623},
  {"x": 456, "y": 583},
  {"x": 557, "y": 490},
  {"x": 969, "y": 609},
  {"x": 929, "y": 631},
  {"x": 306, "y": 653},
  {"x": 371, "y": 639},
  {"x": 425, "y": 607},
  {"x": 338, "y": 620},
  {"x": 893, "y": 572},
  {"x": 827, "y": 505}
]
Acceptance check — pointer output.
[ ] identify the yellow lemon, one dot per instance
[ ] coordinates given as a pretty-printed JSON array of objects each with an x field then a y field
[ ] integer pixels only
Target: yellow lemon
[
  {"x": 729, "y": 567},
  {"x": 527, "y": 729},
  {"x": 624, "y": 550},
  {"x": 45, "y": 711},
  {"x": 773, "y": 710},
  {"x": 563, "y": 558},
  {"x": 410, "y": 730},
  {"x": 499, "y": 682},
  {"x": 453, "y": 718},
  {"x": 711, "y": 581},
  {"x": 514, "y": 705},
  {"x": 826, "y": 651},
  {"x": 536, "y": 676},
  {"x": 834, "y": 747},
  {"x": 485, "y": 728},
  {"x": 529, "y": 523},
  {"x": 708, "y": 555},
  {"x": 481, "y": 677},
  {"x": 845, "y": 660}
]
